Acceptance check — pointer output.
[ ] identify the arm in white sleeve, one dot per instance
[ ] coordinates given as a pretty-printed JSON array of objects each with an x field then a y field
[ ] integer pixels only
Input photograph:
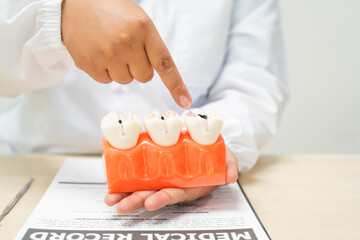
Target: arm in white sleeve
[
  {"x": 249, "y": 93},
  {"x": 32, "y": 55}
]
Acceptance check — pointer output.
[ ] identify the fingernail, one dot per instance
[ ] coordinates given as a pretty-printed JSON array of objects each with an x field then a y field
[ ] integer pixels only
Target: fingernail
[{"x": 184, "y": 101}]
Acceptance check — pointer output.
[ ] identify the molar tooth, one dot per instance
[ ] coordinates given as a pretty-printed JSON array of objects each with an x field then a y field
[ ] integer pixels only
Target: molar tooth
[
  {"x": 122, "y": 132},
  {"x": 203, "y": 127},
  {"x": 164, "y": 129}
]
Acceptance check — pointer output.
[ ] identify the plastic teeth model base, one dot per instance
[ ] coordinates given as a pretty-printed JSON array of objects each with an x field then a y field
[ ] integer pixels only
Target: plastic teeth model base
[{"x": 164, "y": 156}]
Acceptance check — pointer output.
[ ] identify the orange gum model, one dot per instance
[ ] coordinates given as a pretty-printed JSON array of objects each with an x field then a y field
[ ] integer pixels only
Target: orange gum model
[{"x": 148, "y": 166}]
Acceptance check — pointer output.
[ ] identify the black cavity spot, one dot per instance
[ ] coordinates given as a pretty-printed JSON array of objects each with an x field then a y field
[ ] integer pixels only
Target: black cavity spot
[
  {"x": 162, "y": 118},
  {"x": 120, "y": 121},
  {"x": 203, "y": 116}
]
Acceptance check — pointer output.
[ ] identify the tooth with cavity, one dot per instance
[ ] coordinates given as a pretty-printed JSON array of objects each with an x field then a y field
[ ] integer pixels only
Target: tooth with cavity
[
  {"x": 122, "y": 132},
  {"x": 163, "y": 128},
  {"x": 203, "y": 127}
]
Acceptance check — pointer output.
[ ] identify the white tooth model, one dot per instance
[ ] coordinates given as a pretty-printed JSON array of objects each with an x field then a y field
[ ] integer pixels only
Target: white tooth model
[
  {"x": 122, "y": 132},
  {"x": 203, "y": 127},
  {"x": 164, "y": 129}
]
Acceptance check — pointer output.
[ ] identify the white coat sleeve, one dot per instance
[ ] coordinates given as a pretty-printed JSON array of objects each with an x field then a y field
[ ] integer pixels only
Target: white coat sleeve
[
  {"x": 249, "y": 93},
  {"x": 32, "y": 55}
]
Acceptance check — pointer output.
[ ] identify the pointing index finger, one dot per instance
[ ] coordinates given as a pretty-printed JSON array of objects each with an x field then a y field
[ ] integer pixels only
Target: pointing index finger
[{"x": 160, "y": 58}]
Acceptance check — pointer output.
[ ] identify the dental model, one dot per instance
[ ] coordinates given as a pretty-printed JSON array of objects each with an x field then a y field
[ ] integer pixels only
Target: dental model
[
  {"x": 164, "y": 156},
  {"x": 122, "y": 132},
  {"x": 164, "y": 129},
  {"x": 204, "y": 127}
]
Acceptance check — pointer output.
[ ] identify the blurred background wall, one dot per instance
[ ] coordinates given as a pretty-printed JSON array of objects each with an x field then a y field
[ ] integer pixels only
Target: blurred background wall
[{"x": 322, "y": 43}]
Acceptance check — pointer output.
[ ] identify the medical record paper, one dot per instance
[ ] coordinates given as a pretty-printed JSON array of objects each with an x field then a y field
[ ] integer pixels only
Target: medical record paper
[{"x": 73, "y": 208}]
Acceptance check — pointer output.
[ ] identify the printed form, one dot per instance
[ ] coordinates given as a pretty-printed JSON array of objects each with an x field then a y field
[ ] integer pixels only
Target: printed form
[{"x": 73, "y": 208}]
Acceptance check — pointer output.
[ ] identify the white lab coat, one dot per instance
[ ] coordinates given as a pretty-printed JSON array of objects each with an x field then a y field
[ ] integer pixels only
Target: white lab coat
[{"x": 228, "y": 52}]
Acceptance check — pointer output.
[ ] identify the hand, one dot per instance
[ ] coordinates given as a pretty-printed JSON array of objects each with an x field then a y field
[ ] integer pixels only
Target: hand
[
  {"x": 115, "y": 40},
  {"x": 152, "y": 200}
]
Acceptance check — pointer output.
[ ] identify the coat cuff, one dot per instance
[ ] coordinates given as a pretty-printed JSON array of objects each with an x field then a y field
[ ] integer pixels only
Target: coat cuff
[
  {"x": 50, "y": 21},
  {"x": 245, "y": 156}
]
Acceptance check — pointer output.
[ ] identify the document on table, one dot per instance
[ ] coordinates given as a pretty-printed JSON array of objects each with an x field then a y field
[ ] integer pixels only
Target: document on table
[{"x": 73, "y": 208}]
